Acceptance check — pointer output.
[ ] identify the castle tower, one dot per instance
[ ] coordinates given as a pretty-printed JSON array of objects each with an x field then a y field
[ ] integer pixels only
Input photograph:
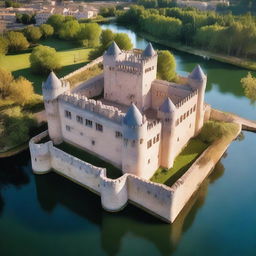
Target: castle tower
[
  {"x": 128, "y": 75},
  {"x": 52, "y": 88},
  {"x": 167, "y": 113},
  {"x": 133, "y": 149},
  {"x": 197, "y": 80}
]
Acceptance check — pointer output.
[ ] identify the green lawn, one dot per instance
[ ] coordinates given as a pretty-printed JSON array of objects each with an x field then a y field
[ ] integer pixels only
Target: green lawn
[
  {"x": 181, "y": 164},
  {"x": 112, "y": 171},
  {"x": 72, "y": 58}
]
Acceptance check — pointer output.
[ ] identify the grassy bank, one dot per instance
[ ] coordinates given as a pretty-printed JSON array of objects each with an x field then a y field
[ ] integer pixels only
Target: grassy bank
[
  {"x": 214, "y": 133},
  {"x": 72, "y": 58},
  {"x": 182, "y": 162},
  {"x": 112, "y": 171},
  {"x": 243, "y": 63}
]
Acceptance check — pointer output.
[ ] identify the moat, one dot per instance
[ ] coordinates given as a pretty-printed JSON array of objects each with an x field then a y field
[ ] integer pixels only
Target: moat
[{"x": 54, "y": 216}]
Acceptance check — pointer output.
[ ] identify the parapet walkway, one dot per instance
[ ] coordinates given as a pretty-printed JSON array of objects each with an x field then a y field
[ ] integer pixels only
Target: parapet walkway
[{"x": 246, "y": 124}]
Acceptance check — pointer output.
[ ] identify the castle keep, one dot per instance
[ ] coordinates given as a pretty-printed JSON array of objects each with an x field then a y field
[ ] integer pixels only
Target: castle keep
[{"x": 138, "y": 122}]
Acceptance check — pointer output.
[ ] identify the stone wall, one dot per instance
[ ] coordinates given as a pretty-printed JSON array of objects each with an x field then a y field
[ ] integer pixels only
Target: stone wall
[
  {"x": 158, "y": 199},
  {"x": 97, "y": 107},
  {"x": 91, "y": 88},
  {"x": 91, "y": 64}
]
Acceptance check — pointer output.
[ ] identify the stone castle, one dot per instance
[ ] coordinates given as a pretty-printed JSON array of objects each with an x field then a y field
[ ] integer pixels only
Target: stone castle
[{"x": 138, "y": 123}]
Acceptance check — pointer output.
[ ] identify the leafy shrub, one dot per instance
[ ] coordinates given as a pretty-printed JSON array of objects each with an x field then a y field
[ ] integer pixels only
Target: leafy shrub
[
  {"x": 15, "y": 127},
  {"x": 44, "y": 59},
  {"x": 213, "y": 130}
]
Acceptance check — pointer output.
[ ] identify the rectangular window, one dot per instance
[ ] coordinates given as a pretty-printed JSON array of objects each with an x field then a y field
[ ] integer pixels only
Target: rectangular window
[
  {"x": 154, "y": 140},
  {"x": 79, "y": 119},
  {"x": 68, "y": 128},
  {"x": 194, "y": 108},
  {"x": 67, "y": 114},
  {"x": 158, "y": 137},
  {"x": 118, "y": 134},
  {"x": 149, "y": 144},
  {"x": 88, "y": 122},
  {"x": 99, "y": 127},
  {"x": 187, "y": 113}
]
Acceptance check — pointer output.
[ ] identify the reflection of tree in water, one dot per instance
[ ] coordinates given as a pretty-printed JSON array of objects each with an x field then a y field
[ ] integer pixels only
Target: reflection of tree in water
[
  {"x": 11, "y": 173},
  {"x": 240, "y": 137},
  {"x": 53, "y": 189}
]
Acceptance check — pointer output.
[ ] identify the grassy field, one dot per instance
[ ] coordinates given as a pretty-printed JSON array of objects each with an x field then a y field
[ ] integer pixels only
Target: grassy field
[
  {"x": 182, "y": 162},
  {"x": 112, "y": 171},
  {"x": 72, "y": 58}
]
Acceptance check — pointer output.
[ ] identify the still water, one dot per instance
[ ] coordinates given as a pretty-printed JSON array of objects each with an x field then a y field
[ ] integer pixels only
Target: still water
[{"x": 49, "y": 215}]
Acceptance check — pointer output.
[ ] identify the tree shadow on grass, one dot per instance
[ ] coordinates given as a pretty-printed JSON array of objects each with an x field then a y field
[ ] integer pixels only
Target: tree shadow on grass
[{"x": 71, "y": 68}]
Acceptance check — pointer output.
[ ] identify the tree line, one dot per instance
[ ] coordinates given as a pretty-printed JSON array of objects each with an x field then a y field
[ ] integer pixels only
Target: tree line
[{"x": 221, "y": 33}]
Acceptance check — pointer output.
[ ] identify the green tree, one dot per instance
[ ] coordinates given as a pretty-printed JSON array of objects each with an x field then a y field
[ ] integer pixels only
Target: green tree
[
  {"x": 89, "y": 34},
  {"x": 148, "y": 3},
  {"x": 209, "y": 37},
  {"x": 21, "y": 90},
  {"x": 44, "y": 59},
  {"x": 107, "y": 36},
  {"x": 56, "y": 21},
  {"x": 33, "y": 34},
  {"x": 166, "y": 66},
  {"x": 3, "y": 45},
  {"x": 17, "y": 41},
  {"x": 69, "y": 30},
  {"x": 11, "y": 119},
  {"x": 6, "y": 79},
  {"x": 26, "y": 19},
  {"x": 123, "y": 41},
  {"x": 46, "y": 30},
  {"x": 108, "y": 11},
  {"x": 12, "y": 4},
  {"x": 249, "y": 85}
]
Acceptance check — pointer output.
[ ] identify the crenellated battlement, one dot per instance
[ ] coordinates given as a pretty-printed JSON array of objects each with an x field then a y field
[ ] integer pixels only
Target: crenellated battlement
[
  {"x": 152, "y": 123},
  {"x": 95, "y": 106},
  {"x": 128, "y": 67},
  {"x": 134, "y": 56},
  {"x": 76, "y": 162},
  {"x": 186, "y": 99}
]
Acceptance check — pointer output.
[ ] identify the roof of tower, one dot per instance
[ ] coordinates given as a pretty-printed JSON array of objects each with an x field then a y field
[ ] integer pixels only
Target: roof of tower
[
  {"x": 167, "y": 106},
  {"x": 52, "y": 82},
  {"x": 113, "y": 50},
  {"x": 133, "y": 116},
  {"x": 197, "y": 73},
  {"x": 149, "y": 51}
]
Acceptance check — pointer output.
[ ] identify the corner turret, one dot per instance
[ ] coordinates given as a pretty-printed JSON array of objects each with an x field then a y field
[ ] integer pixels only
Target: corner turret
[
  {"x": 149, "y": 51},
  {"x": 197, "y": 81},
  {"x": 113, "y": 50},
  {"x": 111, "y": 55},
  {"x": 167, "y": 107},
  {"x": 167, "y": 113},
  {"x": 133, "y": 117},
  {"x": 134, "y": 130},
  {"x": 52, "y": 88},
  {"x": 197, "y": 74}
]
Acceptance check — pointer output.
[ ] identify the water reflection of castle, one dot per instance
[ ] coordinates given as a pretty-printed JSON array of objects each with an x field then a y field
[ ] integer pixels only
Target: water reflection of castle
[{"x": 130, "y": 220}]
